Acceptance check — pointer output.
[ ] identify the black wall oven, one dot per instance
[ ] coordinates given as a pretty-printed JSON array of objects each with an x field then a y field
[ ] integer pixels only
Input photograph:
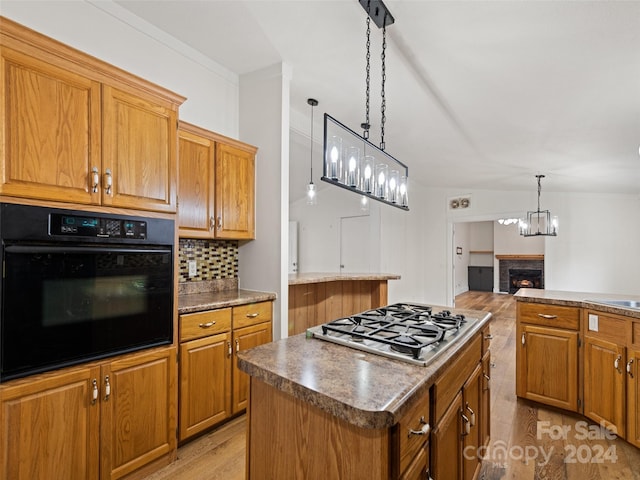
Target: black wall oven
[{"x": 78, "y": 286}]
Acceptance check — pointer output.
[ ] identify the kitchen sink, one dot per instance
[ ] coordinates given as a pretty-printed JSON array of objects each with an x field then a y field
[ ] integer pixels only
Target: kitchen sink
[{"x": 635, "y": 304}]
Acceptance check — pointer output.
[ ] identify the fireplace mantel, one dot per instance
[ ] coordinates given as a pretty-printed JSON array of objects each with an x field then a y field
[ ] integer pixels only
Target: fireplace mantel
[{"x": 521, "y": 257}]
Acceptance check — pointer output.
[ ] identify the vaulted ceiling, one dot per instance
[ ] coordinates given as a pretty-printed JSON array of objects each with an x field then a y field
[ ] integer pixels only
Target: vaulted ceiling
[{"x": 479, "y": 94}]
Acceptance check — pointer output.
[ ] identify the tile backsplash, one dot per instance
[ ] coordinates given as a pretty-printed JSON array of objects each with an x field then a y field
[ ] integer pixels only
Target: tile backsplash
[{"x": 215, "y": 259}]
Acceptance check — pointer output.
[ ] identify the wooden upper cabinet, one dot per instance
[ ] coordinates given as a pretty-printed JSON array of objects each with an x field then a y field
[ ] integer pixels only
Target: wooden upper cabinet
[
  {"x": 235, "y": 192},
  {"x": 51, "y": 129},
  {"x": 217, "y": 185},
  {"x": 78, "y": 130},
  {"x": 196, "y": 150},
  {"x": 139, "y": 150}
]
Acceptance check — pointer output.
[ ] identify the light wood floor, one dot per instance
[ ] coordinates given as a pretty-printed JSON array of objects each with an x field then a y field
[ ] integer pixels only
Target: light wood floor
[{"x": 221, "y": 453}]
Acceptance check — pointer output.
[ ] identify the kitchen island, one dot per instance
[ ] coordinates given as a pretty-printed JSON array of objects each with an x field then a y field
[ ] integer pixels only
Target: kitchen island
[
  {"x": 323, "y": 410},
  {"x": 318, "y": 297}
]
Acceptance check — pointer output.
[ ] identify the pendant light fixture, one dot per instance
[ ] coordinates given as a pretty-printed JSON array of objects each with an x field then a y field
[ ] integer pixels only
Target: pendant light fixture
[
  {"x": 539, "y": 222},
  {"x": 351, "y": 161},
  {"x": 312, "y": 195}
]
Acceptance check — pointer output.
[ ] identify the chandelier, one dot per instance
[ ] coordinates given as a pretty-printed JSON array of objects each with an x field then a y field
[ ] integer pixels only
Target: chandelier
[
  {"x": 539, "y": 222},
  {"x": 351, "y": 161}
]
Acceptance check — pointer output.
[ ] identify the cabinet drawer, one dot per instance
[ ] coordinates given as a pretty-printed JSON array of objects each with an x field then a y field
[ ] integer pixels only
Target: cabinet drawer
[
  {"x": 202, "y": 324},
  {"x": 448, "y": 385},
  {"x": 549, "y": 315},
  {"x": 251, "y": 314},
  {"x": 416, "y": 420}
]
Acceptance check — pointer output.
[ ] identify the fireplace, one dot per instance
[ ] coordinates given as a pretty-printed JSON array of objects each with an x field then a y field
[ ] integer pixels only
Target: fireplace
[
  {"x": 524, "y": 278},
  {"x": 526, "y": 262}
]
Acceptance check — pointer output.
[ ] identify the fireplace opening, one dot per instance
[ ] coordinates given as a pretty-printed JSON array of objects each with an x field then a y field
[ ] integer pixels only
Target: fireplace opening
[{"x": 524, "y": 278}]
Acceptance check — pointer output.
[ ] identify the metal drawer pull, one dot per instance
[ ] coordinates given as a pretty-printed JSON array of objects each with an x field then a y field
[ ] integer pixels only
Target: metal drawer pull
[
  {"x": 467, "y": 425},
  {"x": 207, "y": 325},
  {"x": 473, "y": 415},
  {"x": 548, "y": 317},
  {"x": 488, "y": 337},
  {"x": 94, "y": 391},
  {"x": 616, "y": 364},
  {"x": 523, "y": 338},
  {"x": 252, "y": 315},
  {"x": 423, "y": 431},
  {"x": 107, "y": 387},
  {"x": 629, "y": 363}
]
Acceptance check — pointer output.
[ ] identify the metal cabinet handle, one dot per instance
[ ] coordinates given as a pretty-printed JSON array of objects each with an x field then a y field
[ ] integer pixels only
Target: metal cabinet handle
[
  {"x": 108, "y": 181},
  {"x": 548, "y": 317},
  {"x": 523, "y": 338},
  {"x": 94, "y": 391},
  {"x": 207, "y": 325},
  {"x": 219, "y": 223},
  {"x": 629, "y": 363},
  {"x": 252, "y": 315},
  {"x": 229, "y": 351},
  {"x": 488, "y": 337},
  {"x": 473, "y": 415},
  {"x": 237, "y": 345},
  {"x": 95, "y": 179},
  {"x": 488, "y": 378},
  {"x": 616, "y": 364},
  {"x": 107, "y": 388},
  {"x": 467, "y": 425},
  {"x": 423, "y": 431},
  {"x": 212, "y": 223}
]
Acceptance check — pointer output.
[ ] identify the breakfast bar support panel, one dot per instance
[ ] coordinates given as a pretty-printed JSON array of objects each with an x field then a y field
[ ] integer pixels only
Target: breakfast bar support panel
[{"x": 292, "y": 439}]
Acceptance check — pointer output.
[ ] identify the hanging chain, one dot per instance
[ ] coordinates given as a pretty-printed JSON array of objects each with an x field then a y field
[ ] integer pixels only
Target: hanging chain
[
  {"x": 365, "y": 126},
  {"x": 383, "y": 104}
]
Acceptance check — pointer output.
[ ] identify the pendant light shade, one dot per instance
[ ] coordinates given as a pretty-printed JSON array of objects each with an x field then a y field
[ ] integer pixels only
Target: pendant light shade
[
  {"x": 539, "y": 222},
  {"x": 312, "y": 197}
]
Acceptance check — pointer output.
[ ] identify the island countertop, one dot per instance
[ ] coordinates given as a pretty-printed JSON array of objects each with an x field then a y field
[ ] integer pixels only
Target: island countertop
[
  {"x": 198, "y": 302},
  {"x": 319, "y": 277},
  {"x": 578, "y": 299},
  {"x": 364, "y": 389}
]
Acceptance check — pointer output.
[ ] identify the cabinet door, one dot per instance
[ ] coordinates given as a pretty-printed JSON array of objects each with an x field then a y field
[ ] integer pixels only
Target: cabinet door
[
  {"x": 547, "y": 365},
  {"x": 50, "y": 427},
  {"x": 51, "y": 130},
  {"x": 196, "y": 183},
  {"x": 139, "y": 149},
  {"x": 244, "y": 339},
  {"x": 471, "y": 408},
  {"x": 446, "y": 453},
  {"x": 139, "y": 416},
  {"x": 205, "y": 383},
  {"x": 633, "y": 398},
  {"x": 235, "y": 192},
  {"x": 485, "y": 403},
  {"x": 604, "y": 383}
]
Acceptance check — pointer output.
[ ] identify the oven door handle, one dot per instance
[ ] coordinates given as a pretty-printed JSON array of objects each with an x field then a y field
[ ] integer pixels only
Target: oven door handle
[{"x": 79, "y": 249}]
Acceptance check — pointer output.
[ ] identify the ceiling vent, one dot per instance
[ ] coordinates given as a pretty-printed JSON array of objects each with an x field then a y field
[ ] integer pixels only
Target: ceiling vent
[{"x": 460, "y": 202}]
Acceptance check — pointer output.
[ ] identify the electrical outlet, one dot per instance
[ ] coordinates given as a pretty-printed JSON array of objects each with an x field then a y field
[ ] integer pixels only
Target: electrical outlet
[
  {"x": 593, "y": 322},
  {"x": 193, "y": 268}
]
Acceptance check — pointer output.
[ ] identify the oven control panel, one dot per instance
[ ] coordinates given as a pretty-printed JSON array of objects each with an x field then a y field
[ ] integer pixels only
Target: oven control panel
[{"x": 97, "y": 227}]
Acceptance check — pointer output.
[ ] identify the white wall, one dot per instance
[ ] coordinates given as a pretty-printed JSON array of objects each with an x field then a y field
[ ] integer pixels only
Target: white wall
[{"x": 461, "y": 238}]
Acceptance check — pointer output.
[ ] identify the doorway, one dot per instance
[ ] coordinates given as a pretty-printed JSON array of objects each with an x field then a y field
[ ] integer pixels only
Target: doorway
[{"x": 355, "y": 244}]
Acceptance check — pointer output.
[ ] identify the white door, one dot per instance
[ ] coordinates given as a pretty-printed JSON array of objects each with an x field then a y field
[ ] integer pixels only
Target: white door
[
  {"x": 293, "y": 247},
  {"x": 355, "y": 244}
]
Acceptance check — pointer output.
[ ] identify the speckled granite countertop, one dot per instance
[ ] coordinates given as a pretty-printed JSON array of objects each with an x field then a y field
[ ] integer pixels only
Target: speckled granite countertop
[
  {"x": 300, "y": 278},
  {"x": 198, "y": 302},
  {"x": 365, "y": 389},
  {"x": 578, "y": 299}
]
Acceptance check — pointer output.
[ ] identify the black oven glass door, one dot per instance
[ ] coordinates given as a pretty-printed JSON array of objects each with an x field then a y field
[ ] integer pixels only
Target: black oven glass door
[{"x": 67, "y": 304}]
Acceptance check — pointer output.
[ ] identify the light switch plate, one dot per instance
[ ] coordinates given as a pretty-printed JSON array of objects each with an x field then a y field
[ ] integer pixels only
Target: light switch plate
[
  {"x": 193, "y": 268},
  {"x": 593, "y": 322}
]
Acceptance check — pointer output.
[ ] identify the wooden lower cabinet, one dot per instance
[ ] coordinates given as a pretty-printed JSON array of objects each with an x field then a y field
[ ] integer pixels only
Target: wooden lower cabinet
[
  {"x": 547, "y": 365},
  {"x": 243, "y": 339},
  {"x": 446, "y": 450},
  {"x": 604, "y": 383},
  {"x": 99, "y": 422},
  {"x": 471, "y": 421},
  {"x": 633, "y": 397},
  {"x": 485, "y": 403},
  {"x": 205, "y": 383},
  {"x": 212, "y": 388}
]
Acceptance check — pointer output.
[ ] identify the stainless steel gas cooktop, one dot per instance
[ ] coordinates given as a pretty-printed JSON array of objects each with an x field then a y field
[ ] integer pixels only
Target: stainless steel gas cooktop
[{"x": 410, "y": 332}]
